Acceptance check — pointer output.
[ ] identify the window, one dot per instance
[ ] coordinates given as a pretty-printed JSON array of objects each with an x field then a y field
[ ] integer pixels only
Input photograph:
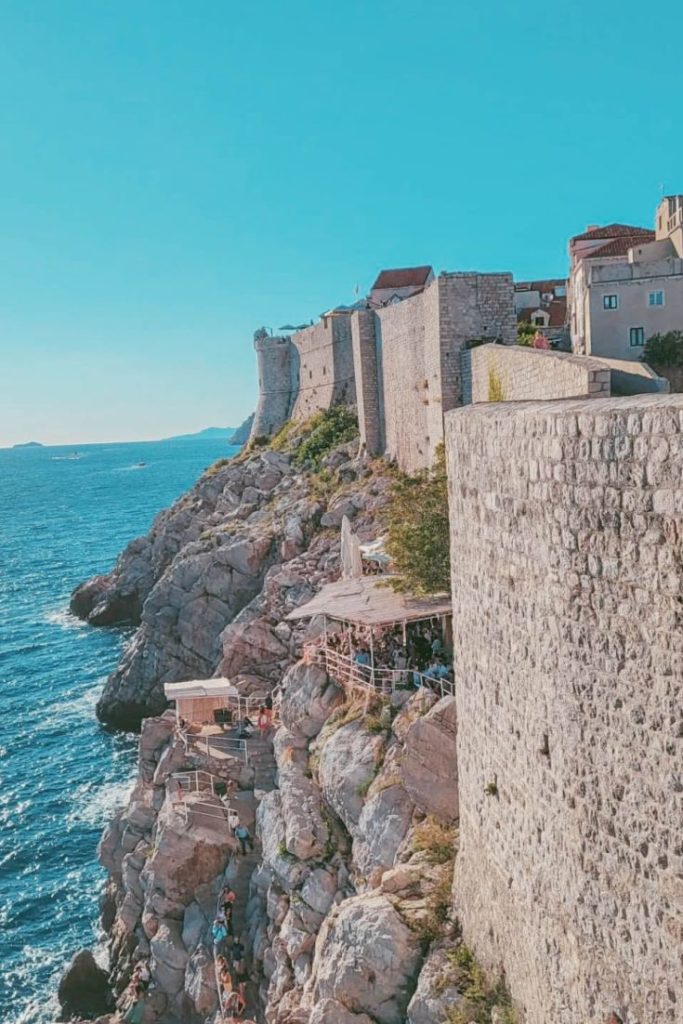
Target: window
[
  {"x": 637, "y": 336},
  {"x": 655, "y": 299},
  {"x": 610, "y": 301},
  {"x": 539, "y": 321},
  {"x": 560, "y": 291}
]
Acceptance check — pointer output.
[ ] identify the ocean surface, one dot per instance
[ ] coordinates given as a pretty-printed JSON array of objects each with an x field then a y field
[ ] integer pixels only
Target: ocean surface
[{"x": 62, "y": 519}]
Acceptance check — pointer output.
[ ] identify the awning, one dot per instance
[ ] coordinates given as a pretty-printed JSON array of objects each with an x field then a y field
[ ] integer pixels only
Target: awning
[
  {"x": 369, "y": 601},
  {"x": 200, "y": 688}
]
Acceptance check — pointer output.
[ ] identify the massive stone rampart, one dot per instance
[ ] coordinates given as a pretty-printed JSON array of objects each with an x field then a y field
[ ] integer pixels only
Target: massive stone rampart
[
  {"x": 407, "y": 360},
  {"x": 567, "y": 549},
  {"x": 326, "y": 376},
  {"x": 278, "y": 377}
]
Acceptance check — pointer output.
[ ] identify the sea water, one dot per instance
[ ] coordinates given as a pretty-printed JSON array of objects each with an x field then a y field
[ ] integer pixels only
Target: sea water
[{"x": 64, "y": 516}]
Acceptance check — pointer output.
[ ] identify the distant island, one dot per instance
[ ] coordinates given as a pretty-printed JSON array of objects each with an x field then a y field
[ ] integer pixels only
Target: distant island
[
  {"x": 233, "y": 435},
  {"x": 208, "y": 434},
  {"x": 29, "y": 444}
]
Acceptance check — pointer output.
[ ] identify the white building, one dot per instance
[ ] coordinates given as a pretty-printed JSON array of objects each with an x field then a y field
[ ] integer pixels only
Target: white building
[{"x": 626, "y": 284}]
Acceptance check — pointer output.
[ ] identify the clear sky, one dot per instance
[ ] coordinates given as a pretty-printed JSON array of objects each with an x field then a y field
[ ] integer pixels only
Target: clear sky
[{"x": 174, "y": 174}]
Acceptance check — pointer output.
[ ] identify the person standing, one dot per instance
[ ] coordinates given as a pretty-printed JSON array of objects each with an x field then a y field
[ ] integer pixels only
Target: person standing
[{"x": 245, "y": 840}]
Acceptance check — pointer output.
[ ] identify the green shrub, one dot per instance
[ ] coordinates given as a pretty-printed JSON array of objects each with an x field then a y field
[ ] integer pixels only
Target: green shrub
[
  {"x": 324, "y": 432},
  {"x": 526, "y": 332},
  {"x": 664, "y": 349},
  {"x": 418, "y": 536}
]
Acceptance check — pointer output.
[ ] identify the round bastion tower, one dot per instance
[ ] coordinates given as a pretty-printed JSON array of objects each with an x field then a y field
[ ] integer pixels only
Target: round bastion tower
[{"x": 278, "y": 376}]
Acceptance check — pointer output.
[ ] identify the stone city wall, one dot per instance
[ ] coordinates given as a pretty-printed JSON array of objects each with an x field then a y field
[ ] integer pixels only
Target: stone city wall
[
  {"x": 412, "y": 350},
  {"x": 278, "y": 372},
  {"x": 517, "y": 373},
  {"x": 326, "y": 374},
  {"x": 567, "y": 553}
]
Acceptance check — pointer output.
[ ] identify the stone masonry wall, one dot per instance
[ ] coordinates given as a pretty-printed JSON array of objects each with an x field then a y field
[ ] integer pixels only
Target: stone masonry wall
[
  {"x": 326, "y": 374},
  {"x": 278, "y": 371},
  {"x": 420, "y": 341},
  {"x": 567, "y": 569},
  {"x": 526, "y": 374},
  {"x": 367, "y": 370}
]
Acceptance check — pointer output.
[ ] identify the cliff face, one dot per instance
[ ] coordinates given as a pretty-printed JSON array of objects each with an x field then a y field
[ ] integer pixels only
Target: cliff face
[
  {"x": 212, "y": 580},
  {"x": 344, "y": 906}
]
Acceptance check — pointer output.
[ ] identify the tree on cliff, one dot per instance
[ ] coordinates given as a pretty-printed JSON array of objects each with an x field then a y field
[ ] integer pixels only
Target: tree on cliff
[{"x": 418, "y": 538}]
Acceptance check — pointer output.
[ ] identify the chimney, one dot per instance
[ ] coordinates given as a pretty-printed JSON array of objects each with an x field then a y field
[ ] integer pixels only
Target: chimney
[{"x": 592, "y": 227}]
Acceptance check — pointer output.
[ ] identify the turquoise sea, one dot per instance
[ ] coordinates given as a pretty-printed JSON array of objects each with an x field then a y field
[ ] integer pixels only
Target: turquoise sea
[{"x": 62, "y": 519}]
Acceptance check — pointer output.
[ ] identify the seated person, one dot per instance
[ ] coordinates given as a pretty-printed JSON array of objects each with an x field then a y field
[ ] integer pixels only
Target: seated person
[{"x": 246, "y": 728}]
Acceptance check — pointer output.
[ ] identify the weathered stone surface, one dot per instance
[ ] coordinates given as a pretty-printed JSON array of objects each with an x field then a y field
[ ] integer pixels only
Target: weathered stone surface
[
  {"x": 348, "y": 762},
  {"x": 382, "y": 827},
  {"x": 84, "y": 989},
  {"x": 329, "y": 1011},
  {"x": 319, "y": 889},
  {"x": 365, "y": 958},
  {"x": 567, "y": 547},
  {"x": 200, "y": 982},
  {"x": 429, "y": 764},
  {"x": 436, "y": 991},
  {"x": 308, "y": 698}
]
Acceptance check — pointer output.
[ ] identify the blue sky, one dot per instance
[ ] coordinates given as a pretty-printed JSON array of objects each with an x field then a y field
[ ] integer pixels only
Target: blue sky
[{"x": 174, "y": 174}]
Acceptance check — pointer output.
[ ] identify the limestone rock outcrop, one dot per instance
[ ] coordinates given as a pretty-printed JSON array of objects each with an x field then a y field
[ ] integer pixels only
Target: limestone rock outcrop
[{"x": 84, "y": 989}]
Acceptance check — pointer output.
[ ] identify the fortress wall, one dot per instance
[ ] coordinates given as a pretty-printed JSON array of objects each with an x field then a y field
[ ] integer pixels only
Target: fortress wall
[
  {"x": 527, "y": 374},
  {"x": 567, "y": 577},
  {"x": 420, "y": 340},
  {"x": 278, "y": 383},
  {"x": 326, "y": 373},
  {"x": 407, "y": 336},
  {"x": 367, "y": 369}
]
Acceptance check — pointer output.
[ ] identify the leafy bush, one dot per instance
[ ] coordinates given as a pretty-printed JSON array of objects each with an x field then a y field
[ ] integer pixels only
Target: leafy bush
[
  {"x": 418, "y": 536},
  {"x": 664, "y": 349},
  {"x": 216, "y": 467},
  {"x": 325, "y": 431},
  {"x": 438, "y": 906},
  {"x": 526, "y": 332}
]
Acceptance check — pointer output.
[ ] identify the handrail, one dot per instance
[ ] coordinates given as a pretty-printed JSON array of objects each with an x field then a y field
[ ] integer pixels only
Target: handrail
[
  {"x": 207, "y": 741},
  {"x": 381, "y": 680}
]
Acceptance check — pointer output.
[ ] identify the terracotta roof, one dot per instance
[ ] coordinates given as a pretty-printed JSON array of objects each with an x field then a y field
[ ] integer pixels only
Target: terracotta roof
[
  {"x": 619, "y": 246},
  {"x": 541, "y": 286},
  {"x": 614, "y": 231},
  {"x": 402, "y": 277},
  {"x": 556, "y": 310}
]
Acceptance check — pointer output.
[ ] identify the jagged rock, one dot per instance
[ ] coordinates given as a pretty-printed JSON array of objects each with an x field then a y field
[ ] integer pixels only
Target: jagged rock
[
  {"x": 200, "y": 982},
  {"x": 169, "y": 957},
  {"x": 329, "y": 1011},
  {"x": 84, "y": 989},
  {"x": 319, "y": 889},
  {"x": 365, "y": 958},
  {"x": 429, "y": 765},
  {"x": 436, "y": 991},
  {"x": 308, "y": 698},
  {"x": 348, "y": 761},
  {"x": 271, "y": 829},
  {"x": 194, "y": 926},
  {"x": 382, "y": 827},
  {"x": 249, "y": 642}
]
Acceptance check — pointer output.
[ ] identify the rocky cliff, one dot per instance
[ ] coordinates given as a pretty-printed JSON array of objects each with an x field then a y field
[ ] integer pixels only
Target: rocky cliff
[{"x": 345, "y": 904}]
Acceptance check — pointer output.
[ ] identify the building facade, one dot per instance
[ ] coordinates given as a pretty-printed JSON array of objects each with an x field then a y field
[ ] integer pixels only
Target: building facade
[{"x": 626, "y": 284}]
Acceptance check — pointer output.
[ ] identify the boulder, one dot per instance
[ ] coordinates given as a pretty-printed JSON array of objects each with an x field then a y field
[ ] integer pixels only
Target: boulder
[
  {"x": 436, "y": 991},
  {"x": 329, "y": 1011},
  {"x": 429, "y": 764},
  {"x": 168, "y": 957},
  {"x": 382, "y": 827},
  {"x": 84, "y": 989},
  {"x": 365, "y": 958},
  {"x": 348, "y": 762},
  {"x": 308, "y": 698},
  {"x": 200, "y": 982}
]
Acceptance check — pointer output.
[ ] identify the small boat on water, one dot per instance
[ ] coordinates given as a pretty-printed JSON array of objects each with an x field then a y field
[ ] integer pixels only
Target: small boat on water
[{"x": 140, "y": 465}]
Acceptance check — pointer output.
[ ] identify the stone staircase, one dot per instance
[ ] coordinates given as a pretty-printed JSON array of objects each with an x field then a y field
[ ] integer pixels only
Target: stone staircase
[{"x": 262, "y": 759}]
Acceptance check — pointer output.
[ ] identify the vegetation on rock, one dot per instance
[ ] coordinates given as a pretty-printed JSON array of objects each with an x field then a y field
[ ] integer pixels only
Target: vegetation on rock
[
  {"x": 479, "y": 998},
  {"x": 418, "y": 538},
  {"x": 325, "y": 431}
]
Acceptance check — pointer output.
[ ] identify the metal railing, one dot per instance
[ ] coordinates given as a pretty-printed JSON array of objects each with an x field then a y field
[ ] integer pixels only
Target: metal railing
[
  {"x": 382, "y": 681},
  {"x": 201, "y": 782},
  {"x": 204, "y": 742},
  {"x": 197, "y": 781}
]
